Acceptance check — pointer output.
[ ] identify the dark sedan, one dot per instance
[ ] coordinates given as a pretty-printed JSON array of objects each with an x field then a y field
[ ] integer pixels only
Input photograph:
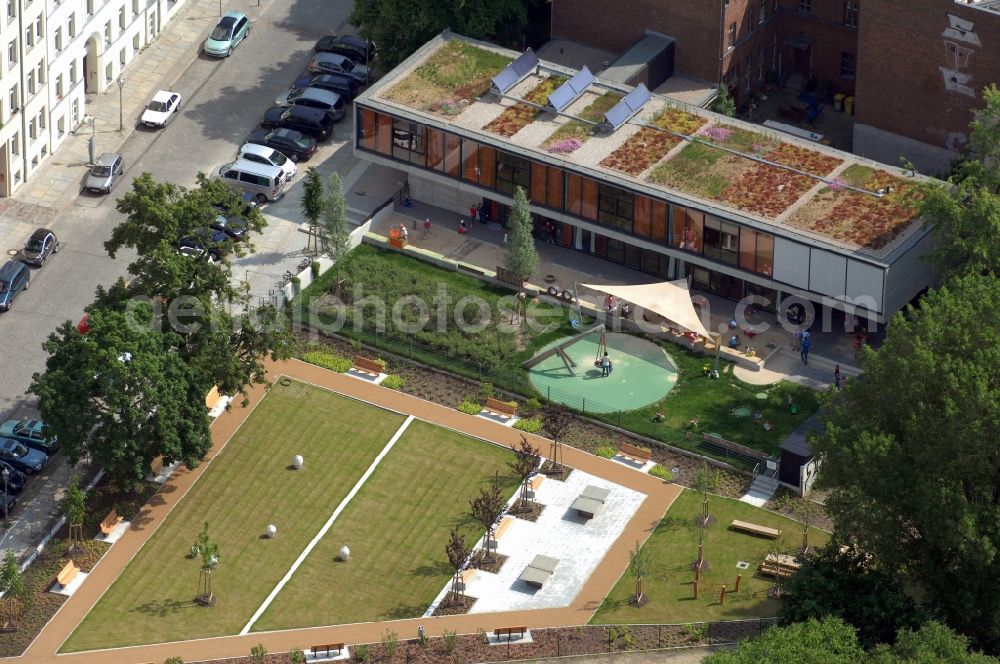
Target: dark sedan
[
  {"x": 342, "y": 84},
  {"x": 32, "y": 433},
  {"x": 15, "y": 479},
  {"x": 203, "y": 243},
  {"x": 309, "y": 121},
  {"x": 356, "y": 48},
  {"x": 334, "y": 63},
  {"x": 233, "y": 227},
  {"x": 21, "y": 456},
  {"x": 288, "y": 142},
  {"x": 42, "y": 244}
]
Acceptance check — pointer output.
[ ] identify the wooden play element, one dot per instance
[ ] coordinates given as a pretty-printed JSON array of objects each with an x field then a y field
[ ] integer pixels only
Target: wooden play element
[
  {"x": 364, "y": 365},
  {"x": 635, "y": 453},
  {"x": 754, "y": 529},
  {"x": 779, "y": 565},
  {"x": 67, "y": 574},
  {"x": 325, "y": 649},
  {"x": 509, "y": 631},
  {"x": 110, "y": 522},
  {"x": 502, "y": 408},
  {"x": 560, "y": 350},
  {"x": 398, "y": 236}
]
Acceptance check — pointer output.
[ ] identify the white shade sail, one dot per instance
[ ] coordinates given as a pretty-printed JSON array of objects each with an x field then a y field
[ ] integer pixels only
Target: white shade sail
[{"x": 670, "y": 299}]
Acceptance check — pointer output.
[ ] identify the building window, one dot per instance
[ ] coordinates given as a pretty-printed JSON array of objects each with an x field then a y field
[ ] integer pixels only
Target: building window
[
  {"x": 38, "y": 28},
  {"x": 512, "y": 172},
  {"x": 41, "y": 118},
  {"x": 29, "y": 37},
  {"x": 31, "y": 129},
  {"x": 408, "y": 142},
  {"x": 61, "y": 126},
  {"x": 11, "y": 10},
  {"x": 90, "y": 7},
  {"x": 847, "y": 65},
  {"x": 732, "y": 35},
  {"x": 121, "y": 18},
  {"x": 58, "y": 39},
  {"x": 851, "y": 13},
  {"x": 761, "y": 15},
  {"x": 14, "y": 106},
  {"x": 760, "y": 63},
  {"x": 31, "y": 82},
  {"x": 748, "y": 75},
  {"x": 756, "y": 251},
  {"x": 615, "y": 208},
  {"x": 72, "y": 72},
  {"x": 76, "y": 111},
  {"x": 135, "y": 7},
  {"x": 12, "y": 52},
  {"x": 721, "y": 240},
  {"x": 109, "y": 72},
  {"x": 59, "y": 86},
  {"x": 688, "y": 229},
  {"x": 805, "y": 6},
  {"x": 41, "y": 73},
  {"x": 107, "y": 32},
  {"x": 135, "y": 43},
  {"x": 72, "y": 26},
  {"x": 121, "y": 57},
  {"x": 15, "y": 144}
]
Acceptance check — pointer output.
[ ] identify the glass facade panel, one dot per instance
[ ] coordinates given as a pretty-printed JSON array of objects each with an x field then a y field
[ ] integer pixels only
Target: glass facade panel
[
  {"x": 538, "y": 182},
  {"x": 383, "y": 135},
  {"x": 487, "y": 166},
  {"x": 512, "y": 172},
  {"x": 574, "y": 194},
  {"x": 589, "y": 199},
  {"x": 688, "y": 225},
  {"x": 408, "y": 141},
  {"x": 721, "y": 240},
  {"x": 435, "y": 149},
  {"x": 452, "y": 155},
  {"x": 470, "y": 161},
  {"x": 616, "y": 250},
  {"x": 616, "y": 207},
  {"x": 633, "y": 256},
  {"x": 765, "y": 254},
  {"x": 658, "y": 222},
  {"x": 554, "y": 188},
  {"x": 367, "y": 120},
  {"x": 640, "y": 222},
  {"x": 748, "y": 249}
]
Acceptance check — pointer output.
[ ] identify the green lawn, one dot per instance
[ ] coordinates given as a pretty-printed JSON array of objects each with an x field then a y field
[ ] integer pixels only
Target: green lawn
[
  {"x": 247, "y": 487},
  {"x": 396, "y": 527},
  {"x": 673, "y": 546}
]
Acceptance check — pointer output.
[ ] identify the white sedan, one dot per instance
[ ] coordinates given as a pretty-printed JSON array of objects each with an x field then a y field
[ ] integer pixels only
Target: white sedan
[{"x": 159, "y": 111}]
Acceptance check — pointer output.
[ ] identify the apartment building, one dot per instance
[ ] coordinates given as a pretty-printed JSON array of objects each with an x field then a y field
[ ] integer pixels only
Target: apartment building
[{"x": 55, "y": 52}]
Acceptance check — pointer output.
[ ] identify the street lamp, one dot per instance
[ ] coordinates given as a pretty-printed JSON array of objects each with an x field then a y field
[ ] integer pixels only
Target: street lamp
[
  {"x": 6, "y": 476},
  {"x": 93, "y": 136},
  {"x": 121, "y": 116}
]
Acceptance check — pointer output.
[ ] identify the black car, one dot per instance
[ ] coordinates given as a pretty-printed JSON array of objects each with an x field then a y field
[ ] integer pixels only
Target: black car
[
  {"x": 234, "y": 227},
  {"x": 335, "y": 63},
  {"x": 342, "y": 84},
  {"x": 203, "y": 243},
  {"x": 40, "y": 246},
  {"x": 15, "y": 479},
  {"x": 22, "y": 457},
  {"x": 309, "y": 121},
  {"x": 356, "y": 48},
  {"x": 288, "y": 142}
]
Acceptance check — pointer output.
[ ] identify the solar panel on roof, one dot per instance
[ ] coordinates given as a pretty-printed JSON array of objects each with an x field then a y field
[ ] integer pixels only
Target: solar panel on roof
[
  {"x": 515, "y": 72},
  {"x": 627, "y": 107},
  {"x": 571, "y": 90}
]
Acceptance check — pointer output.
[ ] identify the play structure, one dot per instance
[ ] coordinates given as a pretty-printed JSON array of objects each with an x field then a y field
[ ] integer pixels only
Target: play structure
[{"x": 560, "y": 350}]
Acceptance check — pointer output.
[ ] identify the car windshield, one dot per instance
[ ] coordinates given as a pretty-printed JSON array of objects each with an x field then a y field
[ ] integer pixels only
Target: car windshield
[
  {"x": 3, "y": 286},
  {"x": 223, "y": 30},
  {"x": 35, "y": 244},
  {"x": 295, "y": 94},
  {"x": 278, "y": 159},
  {"x": 347, "y": 65},
  {"x": 19, "y": 450},
  {"x": 302, "y": 142},
  {"x": 101, "y": 171},
  {"x": 157, "y": 106}
]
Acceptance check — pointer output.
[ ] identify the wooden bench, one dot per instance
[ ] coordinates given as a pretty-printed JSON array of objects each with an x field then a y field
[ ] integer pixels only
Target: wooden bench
[
  {"x": 110, "y": 522},
  {"x": 533, "y": 485},
  {"x": 498, "y": 407},
  {"x": 754, "y": 529},
  {"x": 501, "y": 529},
  {"x": 67, "y": 574},
  {"x": 326, "y": 648},
  {"x": 775, "y": 571},
  {"x": 364, "y": 365},
  {"x": 635, "y": 453},
  {"x": 509, "y": 631},
  {"x": 465, "y": 576}
]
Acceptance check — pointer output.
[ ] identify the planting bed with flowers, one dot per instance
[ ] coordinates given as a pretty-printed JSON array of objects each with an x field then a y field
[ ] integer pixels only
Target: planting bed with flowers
[
  {"x": 450, "y": 79},
  {"x": 570, "y": 136},
  {"x": 862, "y": 219},
  {"x": 704, "y": 170},
  {"x": 518, "y": 116},
  {"x": 648, "y": 146}
]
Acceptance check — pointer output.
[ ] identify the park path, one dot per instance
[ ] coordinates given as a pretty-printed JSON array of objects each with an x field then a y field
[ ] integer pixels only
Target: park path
[{"x": 659, "y": 497}]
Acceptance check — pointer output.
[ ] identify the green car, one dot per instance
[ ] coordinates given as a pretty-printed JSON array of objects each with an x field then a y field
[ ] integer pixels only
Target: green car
[
  {"x": 230, "y": 31},
  {"x": 32, "y": 433}
]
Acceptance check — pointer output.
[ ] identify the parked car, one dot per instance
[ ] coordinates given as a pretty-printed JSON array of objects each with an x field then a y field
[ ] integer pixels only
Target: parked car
[
  {"x": 106, "y": 171},
  {"x": 203, "y": 243},
  {"x": 231, "y": 29},
  {"x": 22, "y": 457},
  {"x": 356, "y": 48},
  {"x": 15, "y": 479},
  {"x": 334, "y": 63},
  {"x": 310, "y": 121},
  {"x": 163, "y": 107},
  {"x": 265, "y": 155},
  {"x": 14, "y": 278},
  {"x": 288, "y": 142},
  {"x": 32, "y": 433},
  {"x": 42, "y": 244},
  {"x": 324, "y": 100},
  {"x": 233, "y": 227},
  {"x": 342, "y": 84},
  {"x": 265, "y": 182}
]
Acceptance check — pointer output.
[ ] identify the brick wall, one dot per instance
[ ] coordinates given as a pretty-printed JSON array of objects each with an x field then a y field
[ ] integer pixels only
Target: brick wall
[{"x": 825, "y": 25}]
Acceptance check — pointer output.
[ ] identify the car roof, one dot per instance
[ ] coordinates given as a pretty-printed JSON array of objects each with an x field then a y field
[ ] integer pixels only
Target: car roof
[
  {"x": 353, "y": 40},
  {"x": 163, "y": 95},
  {"x": 40, "y": 233},
  {"x": 230, "y": 18},
  {"x": 330, "y": 57},
  {"x": 106, "y": 159},
  {"x": 254, "y": 148},
  {"x": 10, "y": 268},
  {"x": 255, "y": 168},
  {"x": 318, "y": 93},
  {"x": 304, "y": 111}
]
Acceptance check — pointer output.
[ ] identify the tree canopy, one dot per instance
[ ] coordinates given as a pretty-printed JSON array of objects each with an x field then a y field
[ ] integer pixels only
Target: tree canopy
[
  {"x": 911, "y": 454},
  {"x": 521, "y": 257}
]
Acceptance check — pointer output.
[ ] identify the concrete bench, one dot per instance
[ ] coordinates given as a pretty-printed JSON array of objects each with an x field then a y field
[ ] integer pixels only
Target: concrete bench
[
  {"x": 539, "y": 571},
  {"x": 501, "y": 408},
  {"x": 754, "y": 529},
  {"x": 110, "y": 522},
  {"x": 640, "y": 454}
]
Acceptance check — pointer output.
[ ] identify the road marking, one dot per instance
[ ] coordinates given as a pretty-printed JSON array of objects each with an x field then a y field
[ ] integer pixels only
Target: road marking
[{"x": 326, "y": 526}]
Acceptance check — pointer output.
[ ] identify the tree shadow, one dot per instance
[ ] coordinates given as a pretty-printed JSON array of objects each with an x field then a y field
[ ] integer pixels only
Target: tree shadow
[
  {"x": 439, "y": 568},
  {"x": 163, "y": 608},
  {"x": 403, "y": 611}
]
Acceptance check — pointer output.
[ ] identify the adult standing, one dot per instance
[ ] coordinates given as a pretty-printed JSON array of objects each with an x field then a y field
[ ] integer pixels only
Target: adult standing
[
  {"x": 605, "y": 365},
  {"x": 804, "y": 353}
]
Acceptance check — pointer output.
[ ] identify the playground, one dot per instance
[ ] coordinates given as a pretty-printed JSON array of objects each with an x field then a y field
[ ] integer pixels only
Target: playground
[{"x": 569, "y": 371}]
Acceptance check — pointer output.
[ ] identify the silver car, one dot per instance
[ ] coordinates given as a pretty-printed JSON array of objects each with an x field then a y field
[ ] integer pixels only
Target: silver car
[{"x": 106, "y": 171}]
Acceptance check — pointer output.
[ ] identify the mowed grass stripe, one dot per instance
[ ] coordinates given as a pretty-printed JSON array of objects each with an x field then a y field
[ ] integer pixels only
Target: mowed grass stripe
[
  {"x": 246, "y": 487},
  {"x": 396, "y": 527}
]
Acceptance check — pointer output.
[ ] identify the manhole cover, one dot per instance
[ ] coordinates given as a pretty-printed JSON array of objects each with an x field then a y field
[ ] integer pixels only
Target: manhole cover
[
  {"x": 743, "y": 411},
  {"x": 742, "y": 565},
  {"x": 761, "y": 395}
]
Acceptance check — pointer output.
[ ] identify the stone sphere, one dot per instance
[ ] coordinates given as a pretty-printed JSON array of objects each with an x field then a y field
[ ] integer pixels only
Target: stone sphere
[
  {"x": 272, "y": 530},
  {"x": 298, "y": 461},
  {"x": 345, "y": 553}
]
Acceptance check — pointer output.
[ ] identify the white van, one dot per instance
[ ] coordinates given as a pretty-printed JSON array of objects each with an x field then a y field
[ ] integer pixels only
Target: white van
[{"x": 264, "y": 182}]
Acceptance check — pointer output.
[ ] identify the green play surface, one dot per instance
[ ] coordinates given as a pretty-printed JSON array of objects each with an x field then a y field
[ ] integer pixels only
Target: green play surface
[{"x": 642, "y": 374}]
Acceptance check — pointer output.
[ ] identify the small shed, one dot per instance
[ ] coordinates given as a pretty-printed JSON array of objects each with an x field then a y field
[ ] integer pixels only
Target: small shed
[{"x": 798, "y": 465}]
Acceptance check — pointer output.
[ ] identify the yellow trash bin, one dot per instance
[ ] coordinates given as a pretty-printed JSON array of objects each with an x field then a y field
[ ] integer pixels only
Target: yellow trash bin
[
  {"x": 838, "y": 101},
  {"x": 849, "y": 105}
]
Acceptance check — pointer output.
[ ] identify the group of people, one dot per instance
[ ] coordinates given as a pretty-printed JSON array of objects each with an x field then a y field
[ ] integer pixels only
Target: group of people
[{"x": 610, "y": 304}]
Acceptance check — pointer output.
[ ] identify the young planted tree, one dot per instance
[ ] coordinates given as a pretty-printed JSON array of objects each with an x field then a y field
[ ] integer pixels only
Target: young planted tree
[
  {"x": 208, "y": 551},
  {"x": 804, "y": 511},
  {"x": 312, "y": 207},
  {"x": 15, "y": 595},
  {"x": 524, "y": 464},
  {"x": 724, "y": 102},
  {"x": 556, "y": 420},
  {"x": 705, "y": 481},
  {"x": 74, "y": 508},
  {"x": 639, "y": 565},
  {"x": 521, "y": 257},
  {"x": 457, "y": 552},
  {"x": 486, "y": 509},
  {"x": 336, "y": 237}
]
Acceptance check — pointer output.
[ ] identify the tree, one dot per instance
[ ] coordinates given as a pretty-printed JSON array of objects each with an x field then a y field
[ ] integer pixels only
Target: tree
[
  {"x": 486, "y": 509},
  {"x": 804, "y": 511},
  {"x": 208, "y": 551},
  {"x": 724, "y": 103},
  {"x": 825, "y": 641},
  {"x": 931, "y": 644},
  {"x": 840, "y": 581},
  {"x": 313, "y": 203},
  {"x": 639, "y": 565},
  {"x": 336, "y": 237},
  {"x": 909, "y": 454},
  {"x": 457, "y": 552},
  {"x": 400, "y": 27},
  {"x": 521, "y": 257},
  {"x": 556, "y": 420},
  {"x": 121, "y": 395},
  {"x": 74, "y": 508},
  {"x": 15, "y": 595},
  {"x": 524, "y": 464},
  {"x": 705, "y": 481}
]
